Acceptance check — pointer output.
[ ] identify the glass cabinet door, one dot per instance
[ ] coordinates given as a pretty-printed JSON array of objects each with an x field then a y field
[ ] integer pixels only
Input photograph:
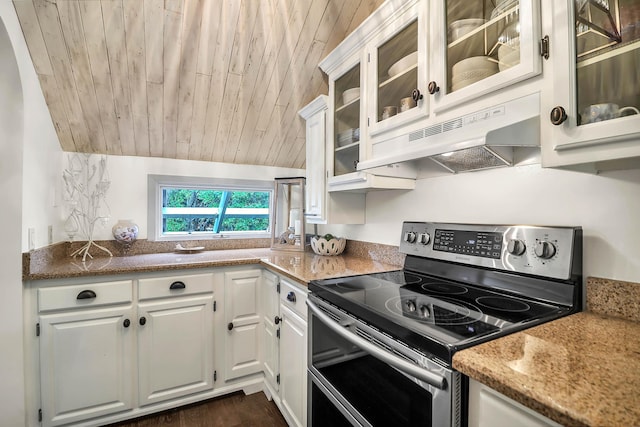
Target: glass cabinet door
[
  {"x": 607, "y": 45},
  {"x": 346, "y": 122},
  {"x": 489, "y": 44}
]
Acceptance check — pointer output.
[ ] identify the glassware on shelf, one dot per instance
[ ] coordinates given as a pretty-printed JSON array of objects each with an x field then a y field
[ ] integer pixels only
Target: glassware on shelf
[
  {"x": 346, "y": 124},
  {"x": 597, "y": 25}
]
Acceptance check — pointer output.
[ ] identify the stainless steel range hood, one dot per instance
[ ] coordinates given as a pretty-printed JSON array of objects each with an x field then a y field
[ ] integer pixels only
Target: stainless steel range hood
[{"x": 506, "y": 134}]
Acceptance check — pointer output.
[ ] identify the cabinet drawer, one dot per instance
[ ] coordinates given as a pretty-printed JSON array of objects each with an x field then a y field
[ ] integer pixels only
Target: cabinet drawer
[
  {"x": 294, "y": 297},
  {"x": 161, "y": 287},
  {"x": 86, "y": 295}
]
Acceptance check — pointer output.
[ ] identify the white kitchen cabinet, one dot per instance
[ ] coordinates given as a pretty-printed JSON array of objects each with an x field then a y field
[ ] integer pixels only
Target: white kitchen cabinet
[
  {"x": 480, "y": 47},
  {"x": 347, "y": 129},
  {"x": 488, "y": 408},
  {"x": 285, "y": 357},
  {"x": 86, "y": 351},
  {"x": 175, "y": 336},
  {"x": 592, "y": 96},
  {"x": 323, "y": 207},
  {"x": 242, "y": 317},
  {"x": 270, "y": 314}
]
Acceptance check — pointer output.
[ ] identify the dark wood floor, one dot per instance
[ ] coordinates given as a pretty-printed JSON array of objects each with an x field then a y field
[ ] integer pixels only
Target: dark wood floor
[{"x": 235, "y": 410}]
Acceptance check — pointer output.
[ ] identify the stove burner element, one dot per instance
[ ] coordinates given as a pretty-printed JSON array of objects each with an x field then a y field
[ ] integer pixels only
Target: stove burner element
[
  {"x": 448, "y": 313},
  {"x": 503, "y": 304},
  {"x": 444, "y": 288},
  {"x": 358, "y": 285}
]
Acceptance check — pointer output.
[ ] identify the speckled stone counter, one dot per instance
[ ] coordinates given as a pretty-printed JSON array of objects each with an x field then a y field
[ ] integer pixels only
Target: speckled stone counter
[
  {"x": 580, "y": 370},
  {"x": 301, "y": 266}
]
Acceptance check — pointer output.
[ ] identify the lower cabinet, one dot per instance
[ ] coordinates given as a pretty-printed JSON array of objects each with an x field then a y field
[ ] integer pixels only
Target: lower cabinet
[
  {"x": 286, "y": 352},
  {"x": 86, "y": 364},
  {"x": 106, "y": 351},
  {"x": 488, "y": 408}
]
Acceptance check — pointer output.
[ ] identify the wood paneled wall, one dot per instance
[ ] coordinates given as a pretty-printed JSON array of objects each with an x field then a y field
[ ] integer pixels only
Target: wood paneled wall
[{"x": 213, "y": 80}]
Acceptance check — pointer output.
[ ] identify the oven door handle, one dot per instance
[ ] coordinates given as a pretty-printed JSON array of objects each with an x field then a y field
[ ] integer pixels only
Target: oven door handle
[{"x": 395, "y": 361}]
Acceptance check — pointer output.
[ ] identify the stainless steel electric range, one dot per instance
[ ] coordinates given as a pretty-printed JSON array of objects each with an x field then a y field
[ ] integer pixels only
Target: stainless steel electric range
[{"x": 381, "y": 345}]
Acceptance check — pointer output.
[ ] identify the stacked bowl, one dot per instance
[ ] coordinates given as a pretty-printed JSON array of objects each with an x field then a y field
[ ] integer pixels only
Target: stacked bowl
[{"x": 471, "y": 70}]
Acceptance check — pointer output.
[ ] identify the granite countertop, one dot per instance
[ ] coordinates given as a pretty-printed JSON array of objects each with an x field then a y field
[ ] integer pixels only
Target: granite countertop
[
  {"x": 300, "y": 266},
  {"x": 579, "y": 370}
]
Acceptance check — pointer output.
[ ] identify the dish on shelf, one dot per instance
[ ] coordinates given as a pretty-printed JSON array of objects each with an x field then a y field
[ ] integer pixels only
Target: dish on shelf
[
  {"x": 473, "y": 64},
  {"x": 192, "y": 250},
  {"x": 463, "y": 27},
  {"x": 471, "y": 76},
  {"x": 350, "y": 95},
  {"x": 403, "y": 64},
  {"x": 348, "y": 136}
]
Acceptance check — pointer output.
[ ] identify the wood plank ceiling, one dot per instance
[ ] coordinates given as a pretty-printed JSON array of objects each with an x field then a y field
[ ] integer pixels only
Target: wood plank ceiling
[{"x": 213, "y": 80}]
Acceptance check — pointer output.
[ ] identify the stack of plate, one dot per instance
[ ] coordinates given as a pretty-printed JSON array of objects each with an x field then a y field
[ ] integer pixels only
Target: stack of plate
[
  {"x": 471, "y": 70},
  {"x": 404, "y": 64},
  {"x": 348, "y": 136},
  {"x": 463, "y": 27}
]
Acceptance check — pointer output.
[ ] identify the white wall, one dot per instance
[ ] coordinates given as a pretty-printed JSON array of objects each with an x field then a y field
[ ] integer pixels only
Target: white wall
[
  {"x": 11, "y": 143},
  {"x": 127, "y": 195},
  {"x": 607, "y": 206}
]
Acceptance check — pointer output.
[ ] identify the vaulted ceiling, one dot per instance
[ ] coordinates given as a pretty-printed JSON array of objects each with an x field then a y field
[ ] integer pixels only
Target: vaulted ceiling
[{"x": 213, "y": 80}]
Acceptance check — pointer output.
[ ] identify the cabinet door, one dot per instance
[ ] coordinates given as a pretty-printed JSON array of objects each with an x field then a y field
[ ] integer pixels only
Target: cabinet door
[
  {"x": 242, "y": 340},
  {"x": 270, "y": 313},
  {"x": 397, "y": 69},
  {"x": 175, "y": 348},
  {"x": 483, "y": 46},
  {"x": 86, "y": 364},
  {"x": 595, "y": 57},
  {"x": 293, "y": 372},
  {"x": 316, "y": 171}
]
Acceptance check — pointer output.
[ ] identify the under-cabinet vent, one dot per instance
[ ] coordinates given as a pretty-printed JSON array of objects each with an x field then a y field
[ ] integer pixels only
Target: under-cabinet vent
[
  {"x": 432, "y": 130},
  {"x": 414, "y": 136},
  {"x": 452, "y": 124}
]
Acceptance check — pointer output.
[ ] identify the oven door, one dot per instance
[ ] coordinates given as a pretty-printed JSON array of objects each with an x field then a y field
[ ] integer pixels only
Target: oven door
[{"x": 358, "y": 376}]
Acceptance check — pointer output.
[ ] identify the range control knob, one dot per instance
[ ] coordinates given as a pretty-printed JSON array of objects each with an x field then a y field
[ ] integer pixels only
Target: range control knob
[
  {"x": 410, "y": 237},
  {"x": 516, "y": 247},
  {"x": 545, "y": 249},
  {"x": 424, "y": 238}
]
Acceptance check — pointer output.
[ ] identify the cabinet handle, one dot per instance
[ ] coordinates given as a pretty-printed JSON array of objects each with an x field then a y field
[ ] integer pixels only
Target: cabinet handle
[
  {"x": 277, "y": 320},
  {"x": 416, "y": 95},
  {"x": 126, "y": 323},
  {"x": 291, "y": 297},
  {"x": 143, "y": 321},
  {"x": 177, "y": 285},
  {"x": 230, "y": 326},
  {"x": 86, "y": 295},
  {"x": 433, "y": 87},
  {"x": 558, "y": 115}
]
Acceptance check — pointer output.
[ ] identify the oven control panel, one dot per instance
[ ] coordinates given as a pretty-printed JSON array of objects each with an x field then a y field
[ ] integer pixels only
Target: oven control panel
[{"x": 537, "y": 250}]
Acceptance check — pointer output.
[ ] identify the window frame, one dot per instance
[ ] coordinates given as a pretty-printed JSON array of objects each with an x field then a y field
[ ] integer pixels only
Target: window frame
[{"x": 156, "y": 183}]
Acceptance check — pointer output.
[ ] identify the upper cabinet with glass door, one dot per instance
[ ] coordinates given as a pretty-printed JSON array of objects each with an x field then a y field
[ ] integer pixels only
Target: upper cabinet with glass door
[
  {"x": 482, "y": 46},
  {"x": 346, "y": 122},
  {"x": 397, "y": 72},
  {"x": 593, "y": 102}
]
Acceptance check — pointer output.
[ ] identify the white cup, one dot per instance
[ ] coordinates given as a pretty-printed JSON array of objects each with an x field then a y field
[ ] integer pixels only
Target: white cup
[
  {"x": 607, "y": 111},
  {"x": 628, "y": 111}
]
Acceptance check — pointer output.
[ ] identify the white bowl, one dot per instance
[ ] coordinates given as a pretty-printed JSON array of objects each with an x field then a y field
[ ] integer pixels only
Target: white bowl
[
  {"x": 472, "y": 64},
  {"x": 509, "y": 49},
  {"x": 322, "y": 246},
  {"x": 350, "y": 95},
  {"x": 472, "y": 75},
  {"x": 462, "y": 27},
  {"x": 404, "y": 64}
]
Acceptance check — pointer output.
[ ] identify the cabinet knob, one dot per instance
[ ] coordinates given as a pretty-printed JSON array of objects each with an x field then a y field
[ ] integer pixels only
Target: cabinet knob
[
  {"x": 277, "y": 320},
  {"x": 126, "y": 323},
  {"x": 230, "y": 326},
  {"x": 416, "y": 95},
  {"x": 291, "y": 297},
  {"x": 558, "y": 115},
  {"x": 86, "y": 295},
  {"x": 177, "y": 285},
  {"x": 143, "y": 321},
  {"x": 433, "y": 87}
]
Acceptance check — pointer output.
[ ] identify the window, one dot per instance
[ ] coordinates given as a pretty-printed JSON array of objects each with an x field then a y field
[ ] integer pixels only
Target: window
[{"x": 193, "y": 208}]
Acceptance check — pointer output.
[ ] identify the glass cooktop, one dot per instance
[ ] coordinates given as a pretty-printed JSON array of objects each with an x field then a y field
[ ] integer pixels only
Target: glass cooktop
[{"x": 444, "y": 311}]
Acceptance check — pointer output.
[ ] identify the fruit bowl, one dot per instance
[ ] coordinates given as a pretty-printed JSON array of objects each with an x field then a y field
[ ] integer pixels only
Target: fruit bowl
[{"x": 328, "y": 245}]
